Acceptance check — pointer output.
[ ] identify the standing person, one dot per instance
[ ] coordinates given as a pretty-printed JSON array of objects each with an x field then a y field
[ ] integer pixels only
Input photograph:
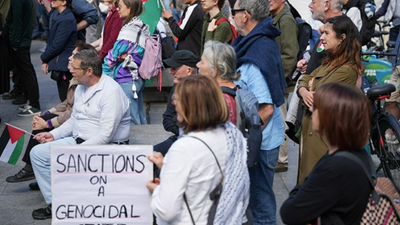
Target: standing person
[
  {"x": 112, "y": 26},
  {"x": 19, "y": 25},
  {"x": 60, "y": 44},
  {"x": 342, "y": 42},
  {"x": 262, "y": 72},
  {"x": 131, "y": 45},
  {"x": 337, "y": 186},
  {"x": 183, "y": 64},
  {"x": 322, "y": 10},
  {"x": 85, "y": 15},
  {"x": 194, "y": 165},
  {"x": 219, "y": 61},
  {"x": 4, "y": 53},
  {"x": 289, "y": 48},
  {"x": 221, "y": 32},
  {"x": 188, "y": 30},
  {"x": 105, "y": 121}
]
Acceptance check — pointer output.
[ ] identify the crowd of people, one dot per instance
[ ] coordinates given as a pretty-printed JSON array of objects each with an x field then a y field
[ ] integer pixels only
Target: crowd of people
[{"x": 252, "y": 46}]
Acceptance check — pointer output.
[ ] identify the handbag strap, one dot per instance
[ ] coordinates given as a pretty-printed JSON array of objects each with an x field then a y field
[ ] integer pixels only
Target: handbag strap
[
  {"x": 370, "y": 174},
  {"x": 220, "y": 169}
]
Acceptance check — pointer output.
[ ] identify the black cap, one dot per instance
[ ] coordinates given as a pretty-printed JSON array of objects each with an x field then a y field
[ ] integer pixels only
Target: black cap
[{"x": 182, "y": 57}]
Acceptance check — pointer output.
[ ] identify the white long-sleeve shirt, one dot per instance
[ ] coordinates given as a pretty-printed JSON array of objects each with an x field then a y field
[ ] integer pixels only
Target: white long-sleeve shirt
[
  {"x": 100, "y": 114},
  {"x": 189, "y": 167}
]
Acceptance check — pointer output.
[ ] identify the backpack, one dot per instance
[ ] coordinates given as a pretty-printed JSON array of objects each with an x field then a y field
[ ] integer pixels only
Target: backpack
[
  {"x": 305, "y": 33},
  {"x": 152, "y": 59},
  {"x": 234, "y": 32},
  {"x": 248, "y": 121},
  {"x": 368, "y": 20},
  {"x": 368, "y": 23},
  {"x": 384, "y": 202}
]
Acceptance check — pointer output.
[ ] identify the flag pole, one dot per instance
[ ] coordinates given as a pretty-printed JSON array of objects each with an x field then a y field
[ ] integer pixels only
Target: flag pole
[
  {"x": 162, "y": 4},
  {"x": 19, "y": 129}
]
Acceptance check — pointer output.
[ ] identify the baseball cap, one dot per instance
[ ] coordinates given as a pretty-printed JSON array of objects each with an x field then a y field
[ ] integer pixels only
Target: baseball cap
[{"x": 182, "y": 57}]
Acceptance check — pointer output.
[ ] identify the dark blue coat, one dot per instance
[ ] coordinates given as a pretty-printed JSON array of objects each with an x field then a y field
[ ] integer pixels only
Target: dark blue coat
[{"x": 61, "y": 41}]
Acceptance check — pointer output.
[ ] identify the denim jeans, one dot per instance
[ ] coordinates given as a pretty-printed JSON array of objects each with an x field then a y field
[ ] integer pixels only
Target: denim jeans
[
  {"x": 136, "y": 106},
  {"x": 176, "y": 14},
  {"x": 262, "y": 197},
  {"x": 40, "y": 159}
]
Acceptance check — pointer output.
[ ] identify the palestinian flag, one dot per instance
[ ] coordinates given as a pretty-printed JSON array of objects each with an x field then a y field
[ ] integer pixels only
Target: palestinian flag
[
  {"x": 11, "y": 144},
  {"x": 151, "y": 13}
]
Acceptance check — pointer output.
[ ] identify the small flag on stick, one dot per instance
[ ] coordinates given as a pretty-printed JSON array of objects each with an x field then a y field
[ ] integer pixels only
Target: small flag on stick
[{"x": 11, "y": 144}]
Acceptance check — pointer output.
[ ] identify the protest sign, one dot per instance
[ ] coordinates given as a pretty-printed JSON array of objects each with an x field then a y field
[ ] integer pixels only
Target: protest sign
[{"x": 101, "y": 185}]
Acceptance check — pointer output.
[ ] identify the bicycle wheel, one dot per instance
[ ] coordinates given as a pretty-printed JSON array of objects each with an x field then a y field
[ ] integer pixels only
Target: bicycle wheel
[{"x": 389, "y": 153}]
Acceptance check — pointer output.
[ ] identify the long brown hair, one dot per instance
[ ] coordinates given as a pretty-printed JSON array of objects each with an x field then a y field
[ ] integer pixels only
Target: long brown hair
[
  {"x": 136, "y": 8},
  {"x": 349, "y": 50}
]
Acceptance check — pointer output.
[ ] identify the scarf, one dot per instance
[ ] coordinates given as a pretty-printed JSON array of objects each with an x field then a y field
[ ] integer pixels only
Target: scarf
[
  {"x": 260, "y": 48},
  {"x": 131, "y": 30},
  {"x": 235, "y": 194}
]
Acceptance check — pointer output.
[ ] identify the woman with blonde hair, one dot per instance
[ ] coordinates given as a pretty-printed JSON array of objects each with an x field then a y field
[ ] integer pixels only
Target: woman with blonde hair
[
  {"x": 340, "y": 38},
  {"x": 210, "y": 153}
]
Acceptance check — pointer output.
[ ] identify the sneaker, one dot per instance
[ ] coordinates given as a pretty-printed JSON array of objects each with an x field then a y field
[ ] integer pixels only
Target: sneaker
[
  {"x": 281, "y": 167},
  {"x": 24, "y": 107},
  {"x": 34, "y": 186},
  {"x": 22, "y": 175},
  {"x": 21, "y": 100},
  {"x": 42, "y": 214},
  {"x": 10, "y": 96},
  {"x": 29, "y": 112}
]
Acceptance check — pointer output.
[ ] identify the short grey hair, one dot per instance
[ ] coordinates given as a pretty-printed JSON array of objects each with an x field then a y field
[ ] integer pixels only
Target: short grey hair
[
  {"x": 258, "y": 9},
  {"x": 336, "y": 5},
  {"x": 90, "y": 59},
  {"x": 223, "y": 57}
]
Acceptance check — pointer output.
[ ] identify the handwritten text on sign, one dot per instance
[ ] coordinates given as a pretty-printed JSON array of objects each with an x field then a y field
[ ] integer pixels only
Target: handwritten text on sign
[{"x": 101, "y": 184}]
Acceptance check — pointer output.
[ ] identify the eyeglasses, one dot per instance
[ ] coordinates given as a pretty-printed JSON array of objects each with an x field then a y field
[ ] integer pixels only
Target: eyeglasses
[
  {"x": 74, "y": 68},
  {"x": 234, "y": 11}
]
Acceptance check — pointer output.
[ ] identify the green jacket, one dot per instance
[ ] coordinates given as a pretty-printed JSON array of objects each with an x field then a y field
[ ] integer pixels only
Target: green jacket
[
  {"x": 287, "y": 41},
  {"x": 4, "y": 7},
  {"x": 20, "y": 22},
  {"x": 223, "y": 33}
]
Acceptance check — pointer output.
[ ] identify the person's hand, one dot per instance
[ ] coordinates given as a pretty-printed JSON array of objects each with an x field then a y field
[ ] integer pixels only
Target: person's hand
[
  {"x": 308, "y": 96},
  {"x": 157, "y": 158},
  {"x": 166, "y": 14},
  {"x": 311, "y": 82},
  {"x": 302, "y": 65},
  {"x": 151, "y": 185},
  {"x": 39, "y": 123},
  {"x": 45, "y": 68},
  {"x": 44, "y": 137},
  {"x": 211, "y": 25}
]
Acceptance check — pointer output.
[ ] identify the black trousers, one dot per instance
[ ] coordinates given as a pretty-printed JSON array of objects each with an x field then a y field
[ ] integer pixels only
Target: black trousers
[
  {"x": 25, "y": 70},
  {"x": 33, "y": 142},
  {"x": 62, "y": 83}
]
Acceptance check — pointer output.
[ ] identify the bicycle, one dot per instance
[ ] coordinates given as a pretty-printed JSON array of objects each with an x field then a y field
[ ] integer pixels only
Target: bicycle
[{"x": 385, "y": 134}]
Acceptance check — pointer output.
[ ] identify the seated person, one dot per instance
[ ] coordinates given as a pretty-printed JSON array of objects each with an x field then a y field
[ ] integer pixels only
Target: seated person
[
  {"x": 183, "y": 64},
  {"x": 100, "y": 115},
  {"x": 49, "y": 120}
]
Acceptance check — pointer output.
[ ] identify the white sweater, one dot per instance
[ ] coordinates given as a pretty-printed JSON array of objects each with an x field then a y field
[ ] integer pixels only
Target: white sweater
[{"x": 189, "y": 167}]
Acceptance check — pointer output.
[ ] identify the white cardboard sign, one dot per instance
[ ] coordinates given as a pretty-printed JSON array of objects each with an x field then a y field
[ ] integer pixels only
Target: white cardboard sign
[{"x": 101, "y": 185}]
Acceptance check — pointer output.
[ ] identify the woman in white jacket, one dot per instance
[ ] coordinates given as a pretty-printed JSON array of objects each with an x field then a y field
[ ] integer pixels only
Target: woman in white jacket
[{"x": 210, "y": 151}]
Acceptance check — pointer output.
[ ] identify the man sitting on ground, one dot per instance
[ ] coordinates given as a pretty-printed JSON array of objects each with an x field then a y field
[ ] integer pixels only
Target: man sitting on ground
[{"x": 100, "y": 116}]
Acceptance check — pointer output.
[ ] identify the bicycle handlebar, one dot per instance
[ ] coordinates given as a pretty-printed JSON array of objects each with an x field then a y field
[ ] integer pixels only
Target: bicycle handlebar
[{"x": 379, "y": 53}]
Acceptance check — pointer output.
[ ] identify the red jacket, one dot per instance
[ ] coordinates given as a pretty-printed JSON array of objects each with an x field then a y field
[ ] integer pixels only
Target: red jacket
[{"x": 112, "y": 26}]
